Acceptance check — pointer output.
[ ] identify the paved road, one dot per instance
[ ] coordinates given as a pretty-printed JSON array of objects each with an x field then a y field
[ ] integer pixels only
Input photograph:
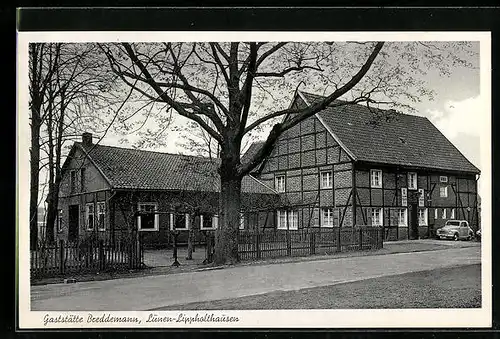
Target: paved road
[{"x": 145, "y": 293}]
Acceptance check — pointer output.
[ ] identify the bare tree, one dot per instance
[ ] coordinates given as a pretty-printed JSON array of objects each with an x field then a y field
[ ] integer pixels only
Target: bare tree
[
  {"x": 75, "y": 92},
  {"x": 232, "y": 89}
]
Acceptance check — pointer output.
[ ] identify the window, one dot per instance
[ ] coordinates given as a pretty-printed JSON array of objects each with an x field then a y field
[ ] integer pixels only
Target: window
[
  {"x": 422, "y": 217},
  {"x": 82, "y": 179},
  {"x": 412, "y": 180},
  {"x": 443, "y": 191},
  {"x": 326, "y": 179},
  {"x": 443, "y": 179},
  {"x": 402, "y": 217},
  {"x": 89, "y": 216},
  {"x": 443, "y": 216},
  {"x": 281, "y": 216},
  {"x": 242, "y": 221},
  {"x": 293, "y": 220},
  {"x": 72, "y": 181},
  {"x": 404, "y": 197},
  {"x": 326, "y": 217},
  {"x": 376, "y": 178},
  {"x": 208, "y": 221},
  {"x": 421, "y": 197},
  {"x": 59, "y": 220},
  {"x": 377, "y": 217},
  {"x": 436, "y": 213},
  {"x": 452, "y": 215},
  {"x": 148, "y": 221},
  {"x": 279, "y": 183},
  {"x": 101, "y": 212}
]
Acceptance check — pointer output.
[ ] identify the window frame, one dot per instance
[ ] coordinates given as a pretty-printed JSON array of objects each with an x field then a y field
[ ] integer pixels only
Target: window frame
[
  {"x": 156, "y": 222},
  {"x": 279, "y": 225},
  {"x": 415, "y": 182},
  {"x": 242, "y": 221},
  {"x": 101, "y": 203},
  {"x": 87, "y": 216},
  {"x": 405, "y": 217},
  {"x": 59, "y": 220},
  {"x": 425, "y": 216},
  {"x": 329, "y": 180},
  {"x": 372, "y": 176},
  {"x": 214, "y": 224},
  {"x": 72, "y": 181},
  {"x": 381, "y": 216},
  {"x": 421, "y": 197},
  {"x": 292, "y": 220},
  {"x": 276, "y": 183},
  {"x": 329, "y": 217},
  {"x": 445, "y": 195},
  {"x": 404, "y": 196}
]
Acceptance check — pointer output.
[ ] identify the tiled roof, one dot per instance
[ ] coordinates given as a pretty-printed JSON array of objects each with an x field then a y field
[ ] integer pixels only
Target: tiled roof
[
  {"x": 138, "y": 169},
  {"x": 390, "y": 137},
  {"x": 254, "y": 147}
]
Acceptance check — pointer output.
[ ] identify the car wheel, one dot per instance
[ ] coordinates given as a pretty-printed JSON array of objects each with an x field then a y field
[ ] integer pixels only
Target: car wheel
[{"x": 455, "y": 237}]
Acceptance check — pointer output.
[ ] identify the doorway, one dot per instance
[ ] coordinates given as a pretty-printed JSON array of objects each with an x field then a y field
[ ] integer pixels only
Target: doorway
[{"x": 73, "y": 222}]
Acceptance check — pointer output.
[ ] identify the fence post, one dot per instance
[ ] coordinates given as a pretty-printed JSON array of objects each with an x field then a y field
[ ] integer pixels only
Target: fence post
[
  {"x": 288, "y": 244},
  {"x": 312, "y": 242},
  {"x": 360, "y": 239},
  {"x": 257, "y": 244},
  {"x": 101, "y": 255},
  {"x": 61, "y": 256},
  {"x": 339, "y": 245}
]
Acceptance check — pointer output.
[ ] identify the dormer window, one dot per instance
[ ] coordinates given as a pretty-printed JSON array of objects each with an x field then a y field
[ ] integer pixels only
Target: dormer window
[{"x": 412, "y": 180}]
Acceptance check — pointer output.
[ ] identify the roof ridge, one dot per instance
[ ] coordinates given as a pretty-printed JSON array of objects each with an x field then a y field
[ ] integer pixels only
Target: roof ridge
[{"x": 149, "y": 151}]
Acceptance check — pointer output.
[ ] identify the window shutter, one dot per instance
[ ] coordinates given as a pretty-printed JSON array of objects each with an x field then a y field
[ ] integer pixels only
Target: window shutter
[
  {"x": 215, "y": 221},
  {"x": 404, "y": 197},
  {"x": 187, "y": 222},
  {"x": 394, "y": 217},
  {"x": 368, "y": 212}
]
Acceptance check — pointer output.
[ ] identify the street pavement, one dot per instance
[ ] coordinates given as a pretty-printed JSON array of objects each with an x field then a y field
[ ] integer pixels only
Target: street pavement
[{"x": 150, "y": 292}]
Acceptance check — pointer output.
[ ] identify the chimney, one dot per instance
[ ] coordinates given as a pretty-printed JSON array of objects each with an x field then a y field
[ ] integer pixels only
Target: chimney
[{"x": 87, "y": 139}]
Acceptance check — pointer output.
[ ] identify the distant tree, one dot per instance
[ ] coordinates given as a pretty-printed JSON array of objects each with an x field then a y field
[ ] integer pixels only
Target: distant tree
[{"x": 232, "y": 89}]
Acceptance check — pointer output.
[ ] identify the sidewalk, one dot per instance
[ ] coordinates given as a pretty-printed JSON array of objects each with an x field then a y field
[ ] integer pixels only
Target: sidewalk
[{"x": 146, "y": 293}]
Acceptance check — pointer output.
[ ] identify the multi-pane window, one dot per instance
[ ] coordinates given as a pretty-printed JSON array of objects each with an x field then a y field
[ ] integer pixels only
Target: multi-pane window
[
  {"x": 412, "y": 180},
  {"x": 376, "y": 178},
  {"x": 242, "y": 221},
  {"x": 59, "y": 220},
  {"x": 101, "y": 212},
  {"x": 404, "y": 197},
  {"x": 82, "y": 179},
  {"x": 443, "y": 179},
  {"x": 443, "y": 191},
  {"x": 293, "y": 220},
  {"x": 72, "y": 181},
  {"x": 208, "y": 221},
  {"x": 89, "y": 215},
  {"x": 279, "y": 183},
  {"x": 402, "y": 217},
  {"x": 326, "y": 179},
  {"x": 377, "y": 216},
  {"x": 422, "y": 216},
  {"x": 147, "y": 219},
  {"x": 327, "y": 217},
  {"x": 281, "y": 216},
  {"x": 421, "y": 197}
]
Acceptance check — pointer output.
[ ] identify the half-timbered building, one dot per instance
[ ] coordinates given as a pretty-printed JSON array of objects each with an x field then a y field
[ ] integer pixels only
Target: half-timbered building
[{"x": 351, "y": 165}]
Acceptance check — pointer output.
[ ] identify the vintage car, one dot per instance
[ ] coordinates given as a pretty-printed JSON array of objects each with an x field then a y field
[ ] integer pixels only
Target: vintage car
[{"x": 456, "y": 230}]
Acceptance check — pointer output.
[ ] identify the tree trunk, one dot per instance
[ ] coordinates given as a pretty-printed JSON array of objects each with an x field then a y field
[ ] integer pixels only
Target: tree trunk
[
  {"x": 226, "y": 242},
  {"x": 34, "y": 177}
]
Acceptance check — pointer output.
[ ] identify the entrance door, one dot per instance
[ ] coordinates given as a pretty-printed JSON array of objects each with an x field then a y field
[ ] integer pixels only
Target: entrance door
[
  {"x": 413, "y": 222},
  {"x": 73, "y": 222}
]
